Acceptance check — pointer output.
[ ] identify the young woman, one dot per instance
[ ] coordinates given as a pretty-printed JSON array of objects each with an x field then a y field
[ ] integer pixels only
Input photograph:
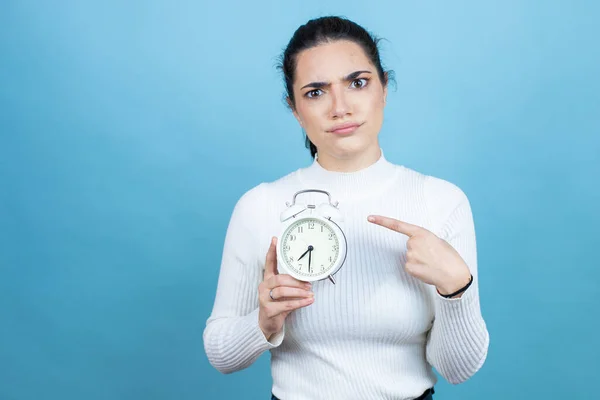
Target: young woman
[{"x": 406, "y": 299}]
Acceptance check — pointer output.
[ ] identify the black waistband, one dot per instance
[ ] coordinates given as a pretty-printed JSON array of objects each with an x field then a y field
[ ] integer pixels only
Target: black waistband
[
  {"x": 421, "y": 397},
  {"x": 425, "y": 394}
]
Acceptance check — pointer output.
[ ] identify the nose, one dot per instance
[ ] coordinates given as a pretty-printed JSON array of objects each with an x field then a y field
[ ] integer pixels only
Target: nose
[{"x": 339, "y": 103}]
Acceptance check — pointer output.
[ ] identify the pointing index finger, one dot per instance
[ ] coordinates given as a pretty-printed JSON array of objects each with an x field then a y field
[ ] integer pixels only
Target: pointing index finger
[{"x": 395, "y": 225}]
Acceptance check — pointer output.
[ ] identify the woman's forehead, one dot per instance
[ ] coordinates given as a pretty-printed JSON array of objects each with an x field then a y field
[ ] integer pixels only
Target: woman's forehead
[{"x": 331, "y": 61}]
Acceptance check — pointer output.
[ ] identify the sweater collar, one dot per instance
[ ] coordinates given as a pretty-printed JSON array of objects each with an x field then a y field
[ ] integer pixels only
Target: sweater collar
[{"x": 350, "y": 185}]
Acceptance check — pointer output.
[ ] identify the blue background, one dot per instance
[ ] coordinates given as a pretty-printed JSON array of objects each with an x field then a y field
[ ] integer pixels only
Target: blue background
[{"x": 128, "y": 130}]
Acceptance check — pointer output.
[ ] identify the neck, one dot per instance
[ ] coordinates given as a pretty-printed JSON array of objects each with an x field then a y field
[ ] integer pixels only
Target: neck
[{"x": 351, "y": 164}]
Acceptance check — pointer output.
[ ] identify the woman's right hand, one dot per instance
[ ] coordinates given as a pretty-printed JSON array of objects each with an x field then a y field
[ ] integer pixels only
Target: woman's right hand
[{"x": 288, "y": 293}]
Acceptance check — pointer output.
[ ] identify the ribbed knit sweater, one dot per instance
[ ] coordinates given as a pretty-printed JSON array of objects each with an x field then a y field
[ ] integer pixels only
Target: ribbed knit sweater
[{"x": 378, "y": 332}]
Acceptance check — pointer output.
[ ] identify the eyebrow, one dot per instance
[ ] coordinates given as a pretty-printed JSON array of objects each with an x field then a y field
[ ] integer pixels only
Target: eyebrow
[{"x": 349, "y": 77}]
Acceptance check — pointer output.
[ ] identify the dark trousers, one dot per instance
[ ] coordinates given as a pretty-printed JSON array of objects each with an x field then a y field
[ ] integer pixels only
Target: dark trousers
[{"x": 427, "y": 395}]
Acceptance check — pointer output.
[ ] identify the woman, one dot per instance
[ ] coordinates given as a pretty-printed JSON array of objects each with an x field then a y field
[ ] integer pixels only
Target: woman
[{"x": 405, "y": 301}]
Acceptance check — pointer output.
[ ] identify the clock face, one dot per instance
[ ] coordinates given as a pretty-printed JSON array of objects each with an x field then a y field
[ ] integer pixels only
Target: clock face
[{"x": 310, "y": 247}]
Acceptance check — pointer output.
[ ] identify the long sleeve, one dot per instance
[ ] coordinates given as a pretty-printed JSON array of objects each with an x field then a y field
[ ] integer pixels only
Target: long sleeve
[
  {"x": 232, "y": 337},
  {"x": 458, "y": 341}
]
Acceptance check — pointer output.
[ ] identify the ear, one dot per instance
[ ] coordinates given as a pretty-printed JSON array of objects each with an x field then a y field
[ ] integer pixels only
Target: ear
[{"x": 385, "y": 88}]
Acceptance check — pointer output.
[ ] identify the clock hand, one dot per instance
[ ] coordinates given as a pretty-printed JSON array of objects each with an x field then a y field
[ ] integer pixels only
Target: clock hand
[
  {"x": 309, "y": 254},
  {"x": 303, "y": 254}
]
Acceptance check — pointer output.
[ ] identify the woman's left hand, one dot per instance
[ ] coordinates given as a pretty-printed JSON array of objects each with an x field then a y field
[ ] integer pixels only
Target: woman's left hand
[{"x": 429, "y": 258}]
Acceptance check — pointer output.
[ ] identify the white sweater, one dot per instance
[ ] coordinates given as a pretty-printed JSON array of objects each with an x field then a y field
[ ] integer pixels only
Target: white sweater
[{"x": 376, "y": 333}]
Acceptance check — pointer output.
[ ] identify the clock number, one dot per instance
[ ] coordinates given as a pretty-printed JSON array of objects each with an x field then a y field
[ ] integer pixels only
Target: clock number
[
  {"x": 287, "y": 247},
  {"x": 291, "y": 259},
  {"x": 330, "y": 236},
  {"x": 335, "y": 247},
  {"x": 299, "y": 229},
  {"x": 292, "y": 238},
  {"x": 311, "y": 225},
  {"x": 321, "y": 228},
  {"x": 330, "y": 258}
]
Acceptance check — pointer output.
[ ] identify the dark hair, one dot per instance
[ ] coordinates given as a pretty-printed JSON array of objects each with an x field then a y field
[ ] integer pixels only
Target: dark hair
[{"x": 320, "y": 31}]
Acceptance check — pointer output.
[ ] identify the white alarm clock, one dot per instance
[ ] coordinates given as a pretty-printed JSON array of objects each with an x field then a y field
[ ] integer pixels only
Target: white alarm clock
[{"x": 312, "y": 245}]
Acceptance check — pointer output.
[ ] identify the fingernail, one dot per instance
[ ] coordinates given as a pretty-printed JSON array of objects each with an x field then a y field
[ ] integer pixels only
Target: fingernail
[{"x": 371, "y": 218}]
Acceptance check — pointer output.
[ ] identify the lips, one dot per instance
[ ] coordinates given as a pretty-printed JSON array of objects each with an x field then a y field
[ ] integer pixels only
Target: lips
[{"x": 345, "y": 128}]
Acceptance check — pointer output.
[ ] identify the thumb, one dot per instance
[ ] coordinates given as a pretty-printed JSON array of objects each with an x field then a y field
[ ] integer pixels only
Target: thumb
[{"x": 271, "y": 261}]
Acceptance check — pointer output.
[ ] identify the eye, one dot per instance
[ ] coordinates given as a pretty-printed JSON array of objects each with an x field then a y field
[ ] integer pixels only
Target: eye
[
  {"x": 313, "y": 93},
  {"x": 359, "y": 83}
]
